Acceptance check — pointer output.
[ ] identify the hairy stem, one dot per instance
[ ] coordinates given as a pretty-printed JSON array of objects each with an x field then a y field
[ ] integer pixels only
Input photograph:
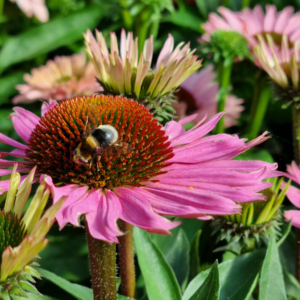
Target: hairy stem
[
  {"x": 126, "y": 260},
  {"x": 296, "y": 142},
  {"x": 224, "y": 74},
  {"x": 102, "y": 257}
]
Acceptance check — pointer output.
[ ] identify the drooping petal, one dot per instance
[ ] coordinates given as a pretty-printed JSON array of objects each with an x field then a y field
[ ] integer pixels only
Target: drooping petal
[
  {"x": 24, "y": 122},
  {"x": 102, "y": 221},
  {"x": 137, "y": 211}
]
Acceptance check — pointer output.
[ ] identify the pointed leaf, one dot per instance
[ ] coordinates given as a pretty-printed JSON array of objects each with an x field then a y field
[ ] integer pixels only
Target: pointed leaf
[
  {"x": 271, "y": 281},
  {"x": 49, "y": 36},
  {"x": 285, "y": 233},
  {"x": 194, "y": 256},
  {"x": 159, "y": 278},
  {"x": 210, "y": 289},
  {"x": 73, "y": 289},
  {"x": 236, "y": 276},
  {"x": 176, "y": 251}
]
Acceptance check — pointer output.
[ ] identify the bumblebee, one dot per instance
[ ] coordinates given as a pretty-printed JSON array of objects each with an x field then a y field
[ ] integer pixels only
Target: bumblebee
[{"x": 99, "y": 141}]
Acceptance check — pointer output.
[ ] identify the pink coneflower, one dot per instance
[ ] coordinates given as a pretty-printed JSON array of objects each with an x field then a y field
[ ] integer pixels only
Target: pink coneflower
[
  {"x": 130, "y": 73},
  {"x": 35, "y": 8},
  {"x": 253, "y": 22},
  {"x": 60, "y": 79},
  {"x": 282, "y": 64},
  {"x": 198, "y": 94},
  {"x": 158, "y": 170},
  {"x": 294, "y": 195}
]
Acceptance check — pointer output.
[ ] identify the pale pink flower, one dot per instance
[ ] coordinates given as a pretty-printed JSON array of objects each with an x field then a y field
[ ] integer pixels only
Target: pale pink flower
[
  {"x": 35, "y": 8},
  {"x": 198, "y": 94},
  {"x": 293, "y": 194},
  {"x": 253, "y": 22},
  {"x": 60, "y": 79},
  {"x": 130, "y": 74},
  {"x": 282, "y": 64},
  {"x": 169, "y": 171}
]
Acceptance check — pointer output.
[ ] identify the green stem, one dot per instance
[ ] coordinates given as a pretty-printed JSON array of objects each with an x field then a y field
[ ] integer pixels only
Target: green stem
[
  {"x": 224, "y": 74},
  {"x": 296, "y": 142},
  {"x": 1, "y": 9},
  {"x": 141, "y": 27},
  {"x": 260, "y": 111},
  {"x": 102, "y": 257},
  {"x": 126, "y": 260},
  {"x": 127, "y": 19},
  {"x": 154, "y": 29},
  {"x": 245, "y": 3}
]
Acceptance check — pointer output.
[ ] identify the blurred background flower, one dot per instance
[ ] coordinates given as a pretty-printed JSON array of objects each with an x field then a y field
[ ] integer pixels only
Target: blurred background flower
[
  {"x": 60, "y": 79},
  {"x": 35, "y": 8},
  {"x": 198, "y": 94}
]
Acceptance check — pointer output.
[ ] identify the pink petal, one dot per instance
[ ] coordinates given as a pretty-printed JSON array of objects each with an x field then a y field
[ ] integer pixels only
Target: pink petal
[
  {"x": 166, "y": 51},
  {"x": 15, "y": 153},
  {"x": 6, "y": 140},
  {"x": 196, "y": 133},
  {"x": 232, "y": 193},
  {"x": 103, "y": 221},
  {"x": 270, "y": 18},
  {"x": 173, "y": 129},
  {"x": 47, "y": 105},
  {"x": 293, "y": 215},
  {"x": 293, "y": 194},
  {"x": 187, "y": 119},
  {"x": 206, "y": 201},
  {"x": 294, "y": 170},
  {"x": 138, "y": 211},
  {"x": 86, "y": 202},
  {"x": 24, "y": 122},
  {"x": 283, "y": 19},
  {"x": 217, "y": 176}
]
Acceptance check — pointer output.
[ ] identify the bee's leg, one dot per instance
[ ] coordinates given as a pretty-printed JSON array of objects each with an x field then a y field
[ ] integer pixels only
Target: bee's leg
[
  {"x": 98, "y": 163},
  {"x": 91, "y": 163}
]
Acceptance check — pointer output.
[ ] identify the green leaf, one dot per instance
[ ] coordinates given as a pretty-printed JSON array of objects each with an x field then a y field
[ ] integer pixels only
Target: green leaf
[
  {"x": 194, "y": 256},
  {"x": 49, "y": 36},
  {"x": 176, "y": 250},
  {"x": 210, "y": 289},
  {"x": 292, "y": 286},
  {"x": 159, "y": 278},
  {"x": 8, "y": 86},
  {"x": 73, "y": 289},
  {"x": 285, "y": 233},
  {"x": 271, "y": 281},
  {"x": 236, "y": 276},
  {"x": 33, "y": 297}
]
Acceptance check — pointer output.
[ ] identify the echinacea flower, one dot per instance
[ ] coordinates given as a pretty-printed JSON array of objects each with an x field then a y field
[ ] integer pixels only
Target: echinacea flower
[
  {"x": 254, "y": 22},
  {"x": 130, "y": 74},
  {"x": 60, "y": 79},
  {"x": 256, "y": 223},
  {"x": 35, "y": 8},
  {"x": 151, "y": 171},
  {"x": 199, "y": 95},
  {"x": 23, "y": 235},
  {"x": 294, "y": 195},
  {"x": 282, "y": 65}
]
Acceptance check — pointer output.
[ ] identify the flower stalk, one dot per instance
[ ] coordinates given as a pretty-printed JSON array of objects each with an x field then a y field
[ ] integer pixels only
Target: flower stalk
[
  {"x": 102, "y": 256},
  {"x": 126, "y": 260},
  {"x": 224, "y": 74},
  {"x": 260, "y": 101}
]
